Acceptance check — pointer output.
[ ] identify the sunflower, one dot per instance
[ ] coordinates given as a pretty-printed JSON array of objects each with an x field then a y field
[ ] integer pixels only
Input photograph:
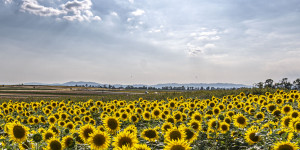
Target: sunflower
[
  {"x": 133, "y": 118},
  {"x": 260, "y": 116},
  {"x": 26, "y": 145},
  {"x": 227, "y": 120},
  {"x": 240, "y": 121},
  {"x": 68, "y": 142},
  {"x": 214, "y": 124},
  {"x": 251, "y": 136},
  {"x": 166, "y": 126},
  {"x": 156, "y": 113},
  {"x": 48, "y": 135},
  {"x": 99, "y": 140},
  {"x": 271, "y": 107},
  {"x": 276, "y": 112},
  {"x": 216, "y": 111},
  {"x": 224, "y": 127},
  {"x": 132, "y": 129},
  {"x": 146, "y": 115},
  {"x": 52, "y": 120},
  {"x": 111, "y": 124},
  {"x": 150, "y": 134},
  {"x": 295, "y": 114},
  {"x": 70, "y": 126},
  {"x": 295, "y": 125},
  {"x": 285, "y": 121},
  {"x": 85, "y": 132},
  {"x": 196, "y": 125},
  {"x": 125, "y": 139},
  {"x": 175, "y": 134},
  {"x": 17, "y": 132},
  {"x": 177, "y": 145},
  {"x": 54, "y": 144},
  {"x": 170, "y": 119},
  {"x": 286, "y": 134},
  {"x": 178, "y": 116},
  {"x": 141, "y": 147},
  {"x": 285, "y": 146},
  {"x": 286, "y": 109},
  {"x": 191, "y": 135}
]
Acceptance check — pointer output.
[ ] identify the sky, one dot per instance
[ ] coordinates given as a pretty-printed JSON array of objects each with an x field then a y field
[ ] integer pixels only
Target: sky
[{"x": 149, "y": 41}]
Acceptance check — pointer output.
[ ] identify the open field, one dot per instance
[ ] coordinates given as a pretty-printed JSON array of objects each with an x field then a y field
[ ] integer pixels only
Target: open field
[{"x": 170, "y": 120}]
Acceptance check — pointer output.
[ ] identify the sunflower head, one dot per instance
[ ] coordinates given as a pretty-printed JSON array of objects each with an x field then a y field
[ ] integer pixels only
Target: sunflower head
[
  {"x": 240, "y": 121},
  {"x": 125, "y": 139},
  {"x": 285, "y": 146},
  {"x": 177, "y": 145},
  {"x": 85, "y": 132},
  {"x": 54, "y": 144},
  {"x": 99, "y": 140},
  {"x": 175, "y": 134},
  {"x": 150, "y": 135},
  {"x": 251, "y": 136},
  {"x": 111, "y": 124},
  {"x": 68, "y": 142},
  {"x": 17, "y": 132}
]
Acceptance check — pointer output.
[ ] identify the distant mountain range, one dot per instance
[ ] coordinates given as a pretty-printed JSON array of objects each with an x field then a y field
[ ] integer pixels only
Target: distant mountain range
[{"x": 195, "y": 85}]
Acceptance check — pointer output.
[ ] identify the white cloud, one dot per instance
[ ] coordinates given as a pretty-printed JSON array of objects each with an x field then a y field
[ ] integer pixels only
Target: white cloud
[
  {"x": 71, "y": 10},
  {"x": 138, "y": 12},
  {"x": 131, "y": 1},
  {"x": 114, "y": 14},
  {"x": 8, "y": 1}
]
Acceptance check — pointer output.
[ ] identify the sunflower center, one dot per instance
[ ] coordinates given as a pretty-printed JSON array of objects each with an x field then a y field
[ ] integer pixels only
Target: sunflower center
[
  {"x": 287, "y": 109},
  {"x": 86, "y": 132},
  {"x": 198, "y": 118},
  {"x": 285, "y": 147},
  {"x": 125, "y": 141},
  {"x": 19, "y": 132},
  {"x": 55, "y": 145},
  {"x": 241, "y": 120},
  {"x": 48, "y": 136},
  {"x": 133, "y": 118},
  {"x": 295, "y": 115},
  {"x": 177, "y": 116},
  {"x": 177, "y": 147},
  {"x": 259, "y": 116},
  {"x": 224, "y": 127},
  {"x": 287, "y": 122},
  {"x": 195, "y": 125},
  {"x": 156, "y": 113},
  {"x": 298, "y": 126},
  {"x": 147, "y": 115},
  {"x": 175, "y": 135},
  {"x": 277, "y": 113},
  {"x": 150, "y": 134},
  {"x": 99, "y": 139},
  {"x": 166, "y": 127},
  {"x": 112, "y": 123},
  {"x": 189, "y": 134},
  {"x": 253, "y": 137},
  {"x": 69, "y": 142}
]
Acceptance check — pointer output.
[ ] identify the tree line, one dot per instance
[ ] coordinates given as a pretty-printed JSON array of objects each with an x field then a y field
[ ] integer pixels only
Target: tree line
[{"x": 283, "y": 84}]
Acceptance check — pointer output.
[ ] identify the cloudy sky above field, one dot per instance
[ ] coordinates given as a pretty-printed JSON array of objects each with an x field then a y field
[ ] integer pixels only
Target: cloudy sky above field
[{"x": 149, "y": 41}]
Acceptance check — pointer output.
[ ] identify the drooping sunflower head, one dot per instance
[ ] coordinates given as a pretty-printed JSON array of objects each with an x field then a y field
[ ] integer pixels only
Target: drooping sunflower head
[
  {"x": 17, "y": 132},
  {"x": 111, "y": 124},
  {"x": 85, "y": 132},
  {"x": 150, "y": 134},
  {"x": 125, "y": 139},
  {"x": 54, "y": 144},
  {"x": 240, "y": 121},
  {"x": 99, "y": 140},
  {"x": 177, "y": 145},
  {"x": 285, "y": 146}
]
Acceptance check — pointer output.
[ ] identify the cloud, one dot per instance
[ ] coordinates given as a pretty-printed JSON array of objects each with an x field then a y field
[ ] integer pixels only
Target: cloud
[
  {"x": 8, "y": 1},
  {"x": 131, "y": 1},
  {"x": 71, "y": 10},
  {"x": 138, "y": 12}
]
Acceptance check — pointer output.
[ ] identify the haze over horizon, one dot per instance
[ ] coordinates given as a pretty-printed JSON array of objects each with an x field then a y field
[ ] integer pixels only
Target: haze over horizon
[{"x": 149, "y": 42}]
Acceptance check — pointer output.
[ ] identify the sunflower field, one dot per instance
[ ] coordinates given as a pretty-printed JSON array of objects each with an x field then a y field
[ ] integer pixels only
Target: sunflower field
[{"x": 244, "y": 121}]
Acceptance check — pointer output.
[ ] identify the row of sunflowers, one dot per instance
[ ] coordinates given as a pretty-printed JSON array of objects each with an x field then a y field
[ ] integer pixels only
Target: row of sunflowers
[{"x": 244, "y": 121}]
